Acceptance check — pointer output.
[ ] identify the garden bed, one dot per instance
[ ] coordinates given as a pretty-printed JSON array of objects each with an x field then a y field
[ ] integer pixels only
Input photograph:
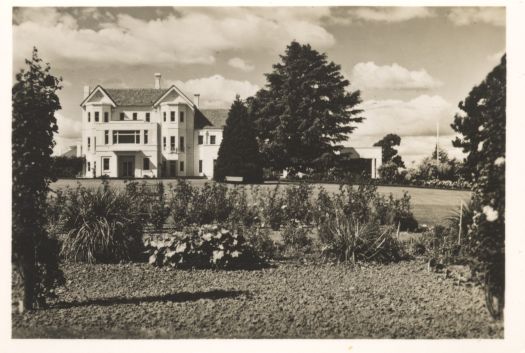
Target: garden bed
[{"x": 290, "y": 300}]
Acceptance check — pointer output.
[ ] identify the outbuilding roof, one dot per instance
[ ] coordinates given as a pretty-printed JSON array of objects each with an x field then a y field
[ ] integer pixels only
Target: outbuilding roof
[{"x": 210, "y": 118}]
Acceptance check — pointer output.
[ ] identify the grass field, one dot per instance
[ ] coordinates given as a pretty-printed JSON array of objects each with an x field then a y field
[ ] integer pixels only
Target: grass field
[{"x": 430, "y": 206}]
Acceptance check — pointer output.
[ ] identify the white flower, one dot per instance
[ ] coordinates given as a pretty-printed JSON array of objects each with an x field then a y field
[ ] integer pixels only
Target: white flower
[
  {"x": 235, "y": 253},
  {"x": 490, "y": 213},
  {"x": 207, "y": 236},
  {"x": 482, "y": 101},
  {"x": 481, "y": 128},
  {"x": 480, "y": 146},
  {"x": 283, "y": 207},
  {"x": 180, "y": 248},
  {"x": 499, "y": 161},
  {"x": 217, "y": 255}
]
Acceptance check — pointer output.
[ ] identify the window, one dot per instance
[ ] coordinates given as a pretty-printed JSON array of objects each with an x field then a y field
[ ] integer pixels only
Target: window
[
  {"x": 106, "y": 117},
  {"x": 147, "y": 117},
  {"x": 164, "y": 168},
  {"x": 200, "y": 165},
  {"x": 164, "y": 116},
  {"x": 181, "y": 166},
  {"x": 173, "y": 168},
  {"x": 105, "y": 164},
  {"x": 96, "y": 116},
  {"x": 212, "y": 139},
  {"x": 89, "y": 117},
  {"x": 134, "y": 116},
  {"x": 89, "y": 166},
  {"x": 145, "y": 137},
  {"x": 164, "y": 142},
  {"x": 122, "y": 116},
  {"x": 181, "y": 117},
  {"x": 126, "y": 136},
  {"x": 145, "y": 165},
  {"x": 106, "y": 137},
  {"x": 172, "y": 143},
  {"x": 89, "y": 143},
  {"x": 181, "y": 143},
  {"x": 200, "y": 139},
  {"x": 172, "y": 116}
]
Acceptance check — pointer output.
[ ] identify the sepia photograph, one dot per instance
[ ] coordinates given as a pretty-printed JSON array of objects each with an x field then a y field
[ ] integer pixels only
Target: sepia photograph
[{"x": 258, "y": 172}]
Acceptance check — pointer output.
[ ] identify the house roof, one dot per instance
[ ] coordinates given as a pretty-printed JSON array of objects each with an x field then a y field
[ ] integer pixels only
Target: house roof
[
  {"x": 210, "y": 118},
  {"x": 135, "y": 96}
]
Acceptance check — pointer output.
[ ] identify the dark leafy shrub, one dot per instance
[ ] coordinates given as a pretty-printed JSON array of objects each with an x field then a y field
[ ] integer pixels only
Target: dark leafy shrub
[
  {"x": 259, "y": 239},
  {"x": 158, "y": 210},
  {"x": 67, "y": 167},
  {"x": 102, "y": 225},
  {"x": 298, "y": 203},
  {"x": 181, "y": 200},
  {"x": 296, "y": 236},
  {"x": 242, "y": 212},
  {"x": 390, "y": 211},
  {"x": 208, "y": 246},
  {"x": 271, "y": 206}
]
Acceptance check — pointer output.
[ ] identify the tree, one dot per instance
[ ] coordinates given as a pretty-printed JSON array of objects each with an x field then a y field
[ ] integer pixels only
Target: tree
[
  {"x": 239, "y": 153},
  {"x": 304, "y": 111},
  {"x": 482, "y": 129},
  {"x": 389, "y": 153},
  {"x": 35, "y": 255}
]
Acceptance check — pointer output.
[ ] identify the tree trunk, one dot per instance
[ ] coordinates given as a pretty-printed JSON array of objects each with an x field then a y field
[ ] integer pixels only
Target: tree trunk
[{"x": 28, "y": 269}]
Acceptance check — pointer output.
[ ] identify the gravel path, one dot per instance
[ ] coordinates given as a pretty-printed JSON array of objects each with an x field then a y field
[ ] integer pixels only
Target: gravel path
[{"x": 289, "y": 301}]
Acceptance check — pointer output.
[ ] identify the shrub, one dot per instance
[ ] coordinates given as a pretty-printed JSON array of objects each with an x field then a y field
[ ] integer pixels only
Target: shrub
[
  {"x": 242, "y": 212},
  {"x": 102, "y": 225},
  {"x": 182, "y": 195},
  {"x": 158, "y": 210},
  {"x": 296, "y": 236},
  {"x": 390, "y": 211},
  {"x": 271, "y": 206},
  {"x": 67, "y": 167},
  {"x": 202, "y": 247},
  {"x": 297, "y": 203},
  {"x": 259, "y": 239}
]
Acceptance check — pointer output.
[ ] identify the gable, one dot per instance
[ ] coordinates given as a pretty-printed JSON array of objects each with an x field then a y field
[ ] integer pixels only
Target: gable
[
  {"x": 176, "y": 94},
  {"x": 98, "y": 95},
  {"x": 135, "y": 96}
]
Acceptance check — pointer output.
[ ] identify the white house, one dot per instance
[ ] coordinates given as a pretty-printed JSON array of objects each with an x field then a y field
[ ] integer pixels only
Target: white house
[{"x": 148, "y": 132}]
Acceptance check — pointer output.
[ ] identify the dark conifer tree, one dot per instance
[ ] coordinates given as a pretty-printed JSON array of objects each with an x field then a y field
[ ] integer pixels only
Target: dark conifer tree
[
  {"x": 239, "y": 154},
  {"x": 304, "y": 111}
]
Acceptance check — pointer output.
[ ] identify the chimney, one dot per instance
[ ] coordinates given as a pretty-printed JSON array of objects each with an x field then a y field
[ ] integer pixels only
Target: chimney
[
  {"x": 196, "y": 99},
  {"x": 87, "y": 91},
  {"x": 157, "y": 80}
]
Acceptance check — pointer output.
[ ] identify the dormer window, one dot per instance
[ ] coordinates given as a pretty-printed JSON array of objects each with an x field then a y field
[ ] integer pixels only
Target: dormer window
[
  {"x": 181, "y": 117},
  {"x": 106, "y": 117},
  {"x": 172, "y": 116},
  {"x": 96, "y": 116}
]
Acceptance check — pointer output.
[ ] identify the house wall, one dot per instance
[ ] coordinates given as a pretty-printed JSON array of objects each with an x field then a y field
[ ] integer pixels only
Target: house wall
[{"x": 156, "y": 129}]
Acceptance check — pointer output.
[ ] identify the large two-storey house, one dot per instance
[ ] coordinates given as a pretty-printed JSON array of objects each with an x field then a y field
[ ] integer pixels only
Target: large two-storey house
[{"x": 148, "y": 132}]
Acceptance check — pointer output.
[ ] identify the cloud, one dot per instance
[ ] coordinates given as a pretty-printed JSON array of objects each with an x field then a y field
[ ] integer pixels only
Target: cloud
[
  {"x": 370, "y": 75},
  {"x": 463, "y": 16},
  {"x": 496, "y": 57},
  {"x": 69, "y": 133},
  {"x": 194, "y": 36},
  {"x": 416, "y": 117},
  {"x": 380, "y": 14},
  {"x": 240, "y": 64},
  {"x": 216, "y": 91}
]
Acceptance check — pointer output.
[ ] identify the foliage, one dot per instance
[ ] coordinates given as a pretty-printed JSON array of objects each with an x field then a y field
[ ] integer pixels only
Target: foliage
[
  {"x": 482, "y": 128},
  {"x": 271, "y": 206},
  {"x": 259, "y": 239},
  {"x": 239, "y": 152},
  {"x": 202, "y": 247},
  {"x": 304, "y": 111},
  {"x": 296, "y": 236},
  {"x": 388, "y": 152},
  {"x": 441, "y": 168},
  {"x": 103, "y": 225},
  {"x": 390, "y": 211},
  {"x": 391, "y": 172},
  {"x": 243, "y": 213},
  {"x": 67, "y": 167},
  {"x": 34, "y": 103},
  {"x": 298, "y": 203},
  {"x": 158, "y": 210}
]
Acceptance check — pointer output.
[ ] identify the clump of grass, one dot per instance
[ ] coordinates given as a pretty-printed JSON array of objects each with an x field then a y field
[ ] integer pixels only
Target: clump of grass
[{"x": 102, "y": 225}]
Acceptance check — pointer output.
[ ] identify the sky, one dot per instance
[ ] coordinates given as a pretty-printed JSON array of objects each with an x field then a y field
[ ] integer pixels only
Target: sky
[{"x": 412, "y": 65}]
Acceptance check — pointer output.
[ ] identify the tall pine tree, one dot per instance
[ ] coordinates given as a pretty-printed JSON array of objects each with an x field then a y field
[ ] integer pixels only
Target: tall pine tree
[
  {"x": 239, "y": 153},
  {"x": 304, "y": 111}
]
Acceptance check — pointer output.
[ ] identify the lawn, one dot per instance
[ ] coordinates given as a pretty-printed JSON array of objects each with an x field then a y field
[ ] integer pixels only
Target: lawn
[
  {"x": 430, "y": 206},
  {"x": 290, "y": 300}
]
